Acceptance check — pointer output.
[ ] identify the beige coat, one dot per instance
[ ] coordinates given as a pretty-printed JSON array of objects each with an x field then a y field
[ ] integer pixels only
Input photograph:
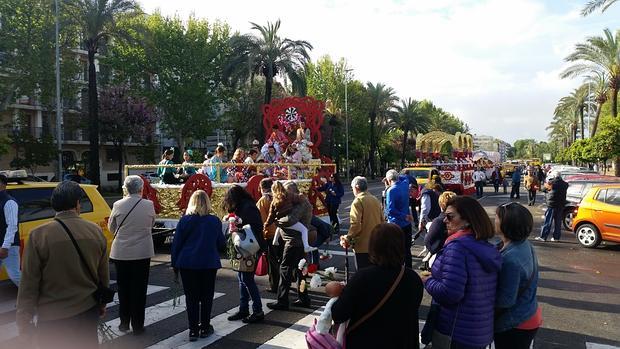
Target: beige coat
[
  {"x": 365, "y": 215},
  {"x": 134, "y": 240},
  {"x": 54, "y": 284}
]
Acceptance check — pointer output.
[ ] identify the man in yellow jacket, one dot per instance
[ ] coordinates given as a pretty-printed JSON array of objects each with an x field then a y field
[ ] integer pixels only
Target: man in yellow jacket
[{"x": 365, "y": 214}]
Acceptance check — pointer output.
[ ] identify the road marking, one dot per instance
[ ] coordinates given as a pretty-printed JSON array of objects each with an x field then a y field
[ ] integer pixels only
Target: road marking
[
  {"x": 7, "y": 306},
  {"x": 293, "y": 337},
  {"x": 220, "y": 324},
  {"x": 8, "y": 331},
  {"x": 153, "y": 314},
  {"x": 599, "y": 346},
  {"x": 150, "y": 289}
]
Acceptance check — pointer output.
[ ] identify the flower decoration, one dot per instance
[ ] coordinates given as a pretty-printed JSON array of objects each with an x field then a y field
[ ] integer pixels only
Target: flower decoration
[{"x": 290, "y": 119}]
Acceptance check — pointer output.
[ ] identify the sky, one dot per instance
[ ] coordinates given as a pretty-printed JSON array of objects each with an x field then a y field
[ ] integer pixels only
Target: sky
[{"x": 493, "y": 63}]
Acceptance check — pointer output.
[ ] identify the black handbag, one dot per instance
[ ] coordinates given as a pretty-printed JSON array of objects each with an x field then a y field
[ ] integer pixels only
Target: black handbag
[{"x": 103, "y": 295}]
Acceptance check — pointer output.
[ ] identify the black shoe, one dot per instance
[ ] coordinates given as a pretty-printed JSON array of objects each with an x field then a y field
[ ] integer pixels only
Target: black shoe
[
  {"x": 123, "y": 327},
  {"x": 138, "y": 331},
  {"x": 301, "y": 303},
  {"x": 277, "y": 306},
  {"x": 193, "y": 335},
  {"x": 206, "y": 332},
  {"x": 238, "y": 316},
  {"x": 255, "y": 317}
]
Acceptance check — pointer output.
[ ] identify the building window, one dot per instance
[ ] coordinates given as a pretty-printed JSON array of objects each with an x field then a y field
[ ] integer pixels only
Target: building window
[{"x": 112, "y": 155}]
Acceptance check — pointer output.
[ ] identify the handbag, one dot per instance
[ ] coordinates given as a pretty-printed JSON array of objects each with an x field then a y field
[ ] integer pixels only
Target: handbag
[
  {"x": 443, "y": 341},
  {"x": 262, "y": 266},
  {"x": 103, "y": 295}
]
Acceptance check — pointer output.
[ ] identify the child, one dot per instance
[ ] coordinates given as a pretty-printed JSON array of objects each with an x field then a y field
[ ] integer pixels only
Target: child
[
  {"x": 281, "y": 206},
  {"x": 332, "y": 289}
]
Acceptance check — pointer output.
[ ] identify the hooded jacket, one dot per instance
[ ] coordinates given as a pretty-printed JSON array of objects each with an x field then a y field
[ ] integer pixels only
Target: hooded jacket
[{"x": 464, "y": 281}]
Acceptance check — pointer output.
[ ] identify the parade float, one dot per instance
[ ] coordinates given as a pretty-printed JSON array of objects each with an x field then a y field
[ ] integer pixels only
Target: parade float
[
  {"x": 449, "y": 156},
  {"x": 291, "y": 120}
]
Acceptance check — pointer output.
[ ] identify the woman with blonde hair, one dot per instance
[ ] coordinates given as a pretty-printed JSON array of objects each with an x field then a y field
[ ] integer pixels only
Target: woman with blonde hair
[
  {"x": 197, "y": 240},
  {"x": 437, "y": 232}
]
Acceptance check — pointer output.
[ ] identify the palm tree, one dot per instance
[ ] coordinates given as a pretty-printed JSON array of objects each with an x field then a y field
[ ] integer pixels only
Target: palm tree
[
  {"x": 599, "y": 55},
  {"x": 97, "y": 20},
  {"x": 382, "y": 99},
  {"x": 593, "y": 5},
  {"x": 601, "y": 90},
  {"x": 410, "y": 118},
  {"x": 268, "y": 55}
]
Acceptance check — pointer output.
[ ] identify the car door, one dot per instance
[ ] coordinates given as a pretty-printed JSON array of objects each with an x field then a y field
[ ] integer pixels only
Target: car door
[{"x": 608, "y": 214}]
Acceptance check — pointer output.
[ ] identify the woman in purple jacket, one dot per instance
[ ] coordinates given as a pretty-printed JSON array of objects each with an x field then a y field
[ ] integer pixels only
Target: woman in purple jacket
[{"x": 463, "y": 278}]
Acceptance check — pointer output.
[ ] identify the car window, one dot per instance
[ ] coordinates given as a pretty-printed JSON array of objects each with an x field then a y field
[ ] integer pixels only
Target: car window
[
  {"x": 35, "y": 204},
  {"x": 613, "y": 197},
  {"x": 600, "y": 196},
  {"x": 574, "y": 189}
]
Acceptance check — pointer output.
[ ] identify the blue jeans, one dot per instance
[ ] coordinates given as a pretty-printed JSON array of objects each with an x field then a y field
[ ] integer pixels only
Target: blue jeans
[
  {"x": 11, "y": 263},
  {"x": 247, "y": 290},
  {"x": 553, "y": 215}
]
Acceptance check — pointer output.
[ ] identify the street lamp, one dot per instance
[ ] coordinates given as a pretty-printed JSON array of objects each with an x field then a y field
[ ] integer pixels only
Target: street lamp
[
  {"x": 346, "y": 120},
  {"x": 58, "y": 101}
]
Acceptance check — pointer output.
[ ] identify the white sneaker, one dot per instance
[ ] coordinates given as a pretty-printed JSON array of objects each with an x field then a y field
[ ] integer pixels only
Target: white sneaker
[
  {"x": 538, "y": 238},
  {"x": 554, "y": 240}
]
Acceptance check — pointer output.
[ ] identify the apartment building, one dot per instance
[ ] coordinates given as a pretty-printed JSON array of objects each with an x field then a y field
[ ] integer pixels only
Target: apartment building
[{"x": 489, "y": 143}]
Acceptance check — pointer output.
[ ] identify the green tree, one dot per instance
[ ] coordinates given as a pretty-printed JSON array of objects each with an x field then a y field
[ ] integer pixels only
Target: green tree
[
  {"x": 268, "y": 55},
  {"x": 573, "y": 106},
  {"x": 601, "y": 90},
  {"x": 325, "y": 80},
  {"x": 97, "y": 20},
  {"x": 178, "y": 67},
  {"x": 606, "y": 142},
  {"x": 441, "y": 120},
  {"x": 30, "y": 151},
  {"x": 382, "y": 100},
  {"x": 594, "y": 5},
  {"x": 411, "y": 120}
]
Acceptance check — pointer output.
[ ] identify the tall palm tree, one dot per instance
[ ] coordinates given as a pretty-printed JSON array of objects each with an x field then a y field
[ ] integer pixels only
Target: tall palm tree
[
  {"x": 600, "y": 92},
  {"x": 269, "y": 55},
  {"x": 593, "y": 5},
  {"x": 600, "y": 55},
  {"x": 97, "y": 20},
  {"x": 382, "y": 99},
  {"x": 410, "y": 118}
]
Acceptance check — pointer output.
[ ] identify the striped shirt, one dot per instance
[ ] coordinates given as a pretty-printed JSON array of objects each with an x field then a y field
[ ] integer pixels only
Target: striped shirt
[{"x": 10, "y": 212}]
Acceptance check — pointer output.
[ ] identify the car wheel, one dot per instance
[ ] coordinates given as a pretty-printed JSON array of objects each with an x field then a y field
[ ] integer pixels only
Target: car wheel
[
  {"x": 569, "y": 215},
  {"x": 588, "y": 235}
]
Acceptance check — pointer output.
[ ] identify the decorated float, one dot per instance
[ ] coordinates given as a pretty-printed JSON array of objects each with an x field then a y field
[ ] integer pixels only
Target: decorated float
[
  {"x": 289, "y": 121},
  {"x": 449, "y": 156}
]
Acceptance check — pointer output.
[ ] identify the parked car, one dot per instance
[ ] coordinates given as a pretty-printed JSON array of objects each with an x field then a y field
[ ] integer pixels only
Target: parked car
[
  {"x": 577, "y": 190},
  {"x": 35, "y": 208},
  {"x": 598, "y": 216}
]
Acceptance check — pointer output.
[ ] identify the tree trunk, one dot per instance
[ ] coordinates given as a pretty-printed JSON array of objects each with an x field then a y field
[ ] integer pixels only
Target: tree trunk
[
  {"x": 614, "y": 102},
  {"x": 93, "y": 119},
  {"x": 373, "y": 145},
  {"x": 402, "y": 158},
  {"x": 583, "y": 130},
  {"x": 598, "y": 113},
  {"x": 119, "y": 149}
]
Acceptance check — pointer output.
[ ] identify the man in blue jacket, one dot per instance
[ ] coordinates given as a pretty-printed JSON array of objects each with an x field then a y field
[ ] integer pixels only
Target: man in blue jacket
[
  {"x": 516, "y": 183},
  {"x": 397, "y": 207}
]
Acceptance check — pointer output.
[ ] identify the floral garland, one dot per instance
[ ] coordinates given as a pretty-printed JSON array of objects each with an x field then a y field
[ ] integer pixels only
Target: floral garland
[{"x": 290, "y": 119}]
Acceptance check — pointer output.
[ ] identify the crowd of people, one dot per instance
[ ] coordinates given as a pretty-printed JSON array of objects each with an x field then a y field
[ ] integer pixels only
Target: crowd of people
[{"x": 481, "y": 292}]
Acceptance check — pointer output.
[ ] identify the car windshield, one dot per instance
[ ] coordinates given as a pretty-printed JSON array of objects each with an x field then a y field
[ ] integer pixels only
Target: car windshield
[{"x": 418, "y": 173}]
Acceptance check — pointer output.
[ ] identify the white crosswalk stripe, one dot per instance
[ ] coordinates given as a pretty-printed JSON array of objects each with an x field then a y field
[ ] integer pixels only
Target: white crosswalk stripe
[
  {"x": 222, "y": 327},
  {"x": 155, "y": 313},
  {"x": 7, "y": 306}
]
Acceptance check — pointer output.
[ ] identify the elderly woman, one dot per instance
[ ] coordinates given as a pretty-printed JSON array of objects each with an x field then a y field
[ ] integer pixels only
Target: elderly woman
[
  {"x": 197, "y": 240},
  {"x": 517, "y": 315},
  {"x": 131, "y": 222},
  {"x": 464, "y": 278},
  {"x": 395, "y": 323}
]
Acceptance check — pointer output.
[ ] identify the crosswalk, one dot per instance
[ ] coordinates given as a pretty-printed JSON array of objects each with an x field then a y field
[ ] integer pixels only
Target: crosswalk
[{"x": 172, "y": 304}]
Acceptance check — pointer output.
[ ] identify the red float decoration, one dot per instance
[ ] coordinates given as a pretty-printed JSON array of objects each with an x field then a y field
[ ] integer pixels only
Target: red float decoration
[
  {"x": 195, "y": 182},
  {"x": 150, "y": 193},
  {"x": 253, "y": 187}
]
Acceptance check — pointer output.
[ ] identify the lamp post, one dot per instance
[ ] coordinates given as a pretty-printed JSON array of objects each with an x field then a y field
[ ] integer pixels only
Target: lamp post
[
  {"x": 346, "y": 120},
  {"x": 58, "y": 101}
]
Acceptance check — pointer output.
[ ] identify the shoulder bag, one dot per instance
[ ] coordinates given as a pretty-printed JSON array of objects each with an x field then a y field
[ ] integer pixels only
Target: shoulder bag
[
  {"x": 103, "y": 295},
  {"x": 123, "y": 221}
]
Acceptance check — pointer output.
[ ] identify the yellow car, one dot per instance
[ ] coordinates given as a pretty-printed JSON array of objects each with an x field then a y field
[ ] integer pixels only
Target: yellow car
[
  {"x": 421, "y": 174},
  {"x": 598, "y": 216},
  {"x": 33, "y": 199}
]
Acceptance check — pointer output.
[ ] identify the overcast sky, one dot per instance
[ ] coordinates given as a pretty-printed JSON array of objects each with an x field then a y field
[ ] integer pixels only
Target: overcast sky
[{"x": 493, "y": 63}]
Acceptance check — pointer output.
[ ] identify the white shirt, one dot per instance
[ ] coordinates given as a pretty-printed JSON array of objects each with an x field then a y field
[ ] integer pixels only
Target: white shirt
[
  {"x": 479, "y": 176},
  {"x": 10, "y": 214},
  {"x": 425, "y": 207},
  {"x": 248, "y": 160}
]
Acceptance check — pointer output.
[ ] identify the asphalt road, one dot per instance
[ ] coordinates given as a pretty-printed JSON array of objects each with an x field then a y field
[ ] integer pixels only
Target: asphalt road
[{"x": 579, "y": 292}]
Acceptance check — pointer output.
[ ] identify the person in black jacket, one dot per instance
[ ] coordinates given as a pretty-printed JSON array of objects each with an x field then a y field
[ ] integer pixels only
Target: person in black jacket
[
  {"x": 437, "y": 233},
  {"x": 395, "y": 324},
  {"x": 238, "y": 201},
  {"x": 556, "y": 200}
]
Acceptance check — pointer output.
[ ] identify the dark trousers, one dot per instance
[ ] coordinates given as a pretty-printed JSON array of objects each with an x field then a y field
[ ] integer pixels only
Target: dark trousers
[
  {"x": 362, "y": 260},
  {"x": 553, "y": 220},
  {"x": 274, "y": 257},
  {"x": 289, "y": 265},
  {"x": 198, "y": 286},
  {"x": 514, "y": 339},
  {"x": 496, "y": 185},
  {"x": 332, "y": 210},
  {"x": 413, "y": 204},
  {"x": 408, "y": 259},
  {"x": 132, "y": 281},
  {"x": 479, "y": 188},
  {"x": 76, "y": 332},
  {"x": 247, "y": 290},
  {"x": 515, "y": 190},
  {"x": 531, "y": 197}
]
